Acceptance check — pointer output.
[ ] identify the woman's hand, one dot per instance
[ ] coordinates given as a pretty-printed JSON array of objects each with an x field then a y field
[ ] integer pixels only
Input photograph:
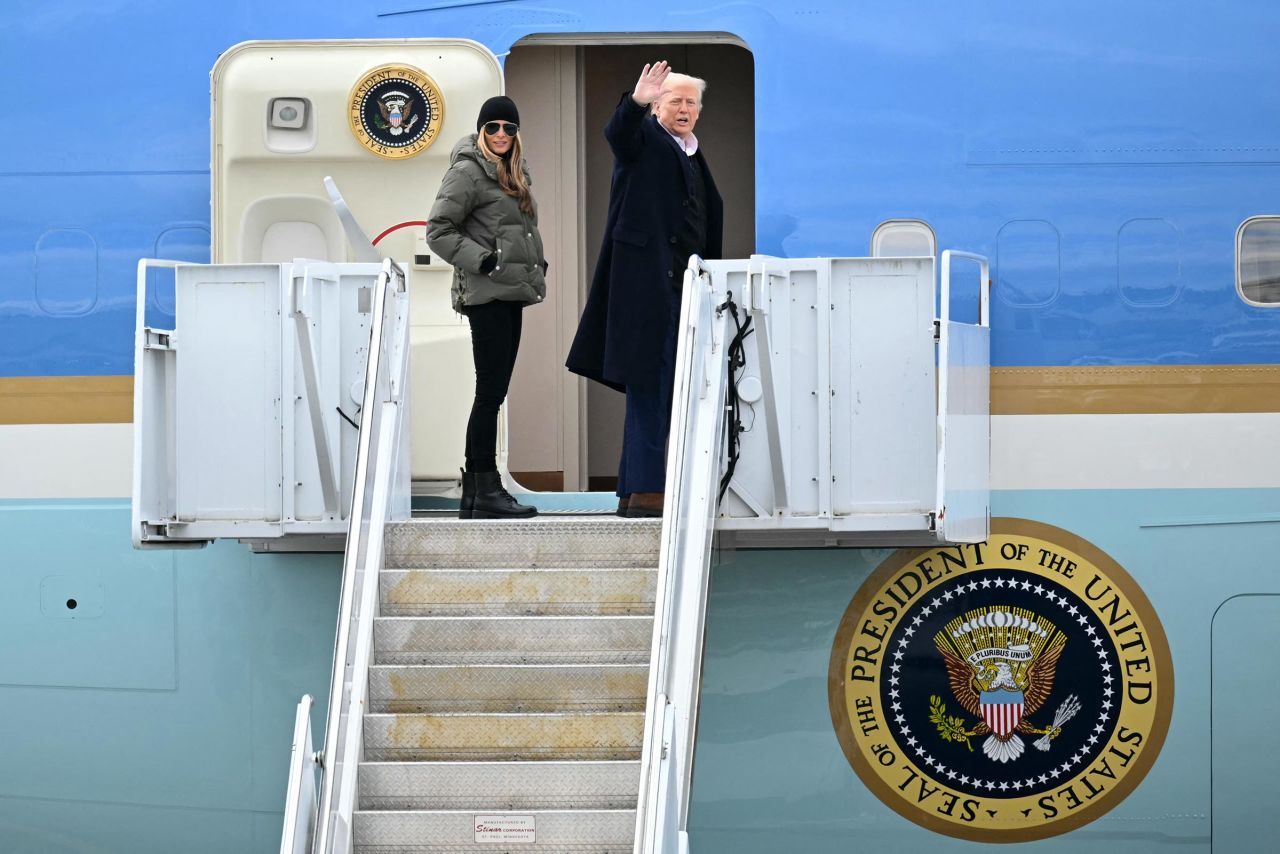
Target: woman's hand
[{"x": 649, "y": 86}]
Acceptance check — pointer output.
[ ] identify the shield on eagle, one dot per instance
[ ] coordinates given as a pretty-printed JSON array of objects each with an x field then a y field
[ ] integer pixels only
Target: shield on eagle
[{"x": 1002, "y": 710}]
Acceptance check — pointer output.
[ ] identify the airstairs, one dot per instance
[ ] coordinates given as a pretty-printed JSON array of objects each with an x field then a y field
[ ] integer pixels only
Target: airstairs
[
  {"x": 533, "y": 685},
  {"x": 526, "y": 684}
]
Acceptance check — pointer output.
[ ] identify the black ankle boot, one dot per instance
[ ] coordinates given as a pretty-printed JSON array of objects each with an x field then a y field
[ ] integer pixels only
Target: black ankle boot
[
  {"x": 494, "y": 502},
  {"x": 467, "y": 508}
]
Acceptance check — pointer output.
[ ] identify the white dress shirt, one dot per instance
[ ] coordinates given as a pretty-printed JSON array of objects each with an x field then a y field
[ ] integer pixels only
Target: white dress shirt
[{"x": 689, "y": 146}]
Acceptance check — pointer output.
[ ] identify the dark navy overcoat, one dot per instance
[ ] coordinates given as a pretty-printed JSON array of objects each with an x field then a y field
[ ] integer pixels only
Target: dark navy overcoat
[{"x": 620, "y": 336}]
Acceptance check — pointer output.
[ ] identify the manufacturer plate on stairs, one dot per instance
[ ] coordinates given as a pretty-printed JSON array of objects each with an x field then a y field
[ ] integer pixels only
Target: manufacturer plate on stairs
[{"x": 504, "y": 828}]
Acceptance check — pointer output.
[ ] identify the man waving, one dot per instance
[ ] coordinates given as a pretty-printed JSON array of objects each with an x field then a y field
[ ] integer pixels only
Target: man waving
[{"x": 663, "y": 208}]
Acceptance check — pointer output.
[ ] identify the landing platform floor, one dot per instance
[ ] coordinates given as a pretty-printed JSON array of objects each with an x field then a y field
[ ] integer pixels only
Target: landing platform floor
[{"x": 548, "y": 504}]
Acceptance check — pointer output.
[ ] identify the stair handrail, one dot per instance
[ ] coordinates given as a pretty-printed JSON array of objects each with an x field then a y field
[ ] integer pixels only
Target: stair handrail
[
  {"x": 300, "y": 797},
  {"x": 380, "y": 493},
  {"x": 693, "y": 472}
]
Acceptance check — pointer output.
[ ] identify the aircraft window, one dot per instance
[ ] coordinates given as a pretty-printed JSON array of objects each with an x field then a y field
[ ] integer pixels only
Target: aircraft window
[
  {"x": 67, "y": 266},
  {"x": 899, "y": 238},
  {"x": 1258, "y": 260},
  {"x": 1028, "y": 264},
  {"x": 1149, "y": 262}
]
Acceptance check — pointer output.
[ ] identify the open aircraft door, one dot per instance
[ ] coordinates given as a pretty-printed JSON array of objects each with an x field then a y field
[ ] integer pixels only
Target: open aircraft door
[{"x": 380, "y": 118}]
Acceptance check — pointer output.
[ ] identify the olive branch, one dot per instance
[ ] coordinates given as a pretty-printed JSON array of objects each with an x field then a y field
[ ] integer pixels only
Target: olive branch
[{"x": 950, "y": 728}]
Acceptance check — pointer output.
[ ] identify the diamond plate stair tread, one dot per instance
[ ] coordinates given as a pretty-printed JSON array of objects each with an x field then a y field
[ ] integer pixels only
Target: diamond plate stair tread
[
  {"x": 499, "y": 786},
  {"x": 586, "y": 735},
  {"x": 508, "y": 688},
  {"x": 427, "y": 592},
  {"x": 560, "y": 831},
  {"x": 499, "y": 640},
  {"x": 522, "y": 543}
]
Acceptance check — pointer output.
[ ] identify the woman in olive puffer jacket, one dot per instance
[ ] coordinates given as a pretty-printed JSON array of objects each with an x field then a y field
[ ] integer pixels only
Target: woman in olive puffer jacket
[{"x": 485, "y": 223}]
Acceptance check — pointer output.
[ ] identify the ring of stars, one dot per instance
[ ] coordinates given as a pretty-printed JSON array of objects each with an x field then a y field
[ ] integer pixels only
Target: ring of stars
[{"x": 1034, "y": 782}]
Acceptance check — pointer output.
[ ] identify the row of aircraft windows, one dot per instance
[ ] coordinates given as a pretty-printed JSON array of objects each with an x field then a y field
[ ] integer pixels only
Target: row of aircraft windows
[
  {"x": 1027, "y": 261},
  {"x": 69, "y": 261},
  {"x": 1028, "y": 255}
]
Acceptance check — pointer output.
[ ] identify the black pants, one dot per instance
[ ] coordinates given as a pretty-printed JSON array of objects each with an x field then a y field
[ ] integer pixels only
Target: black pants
[
  {"x": 495, "y": 338},
  {"x": 642, "y": 466}
]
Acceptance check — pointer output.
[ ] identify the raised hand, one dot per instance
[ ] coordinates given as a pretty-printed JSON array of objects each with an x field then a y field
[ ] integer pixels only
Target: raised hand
[{"x": 649, "y": 86}]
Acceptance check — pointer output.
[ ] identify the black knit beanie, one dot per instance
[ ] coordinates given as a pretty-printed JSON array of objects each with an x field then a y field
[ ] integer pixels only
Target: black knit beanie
[{"x": 499, "y": 108}]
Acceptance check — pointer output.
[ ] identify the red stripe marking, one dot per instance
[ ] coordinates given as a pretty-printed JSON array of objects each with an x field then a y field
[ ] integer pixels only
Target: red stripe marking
[{"x": 398, "y": 226}]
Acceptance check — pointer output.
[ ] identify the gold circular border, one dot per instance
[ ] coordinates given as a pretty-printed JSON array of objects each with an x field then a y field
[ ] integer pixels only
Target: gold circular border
[
  {"x": 417, "y": 76},
  {"x": 1105, "y": 803}
]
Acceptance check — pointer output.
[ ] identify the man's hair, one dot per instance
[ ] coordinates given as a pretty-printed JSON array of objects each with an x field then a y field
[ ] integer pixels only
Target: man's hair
[{"x": 675, "y": 79}]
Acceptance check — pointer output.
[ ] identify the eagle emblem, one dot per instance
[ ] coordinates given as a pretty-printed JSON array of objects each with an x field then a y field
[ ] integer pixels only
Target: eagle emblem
[
  {"x": 1001, "y": 663},
  {"x": 395, "y": 107}
]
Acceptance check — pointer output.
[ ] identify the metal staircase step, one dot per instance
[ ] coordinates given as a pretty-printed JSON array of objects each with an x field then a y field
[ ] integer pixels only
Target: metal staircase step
[
  {"x": 509, "y": 674},
  {"x": 578, "y": 735},
  {"x": 508, "y": 688},
  {"x": 596, "y": 590},
  {"x": 499, "y": 786},
  {"x": 451, "y": 832},
  {"x": 538, "y": 542},
  {"x": 511, "y": 640}
]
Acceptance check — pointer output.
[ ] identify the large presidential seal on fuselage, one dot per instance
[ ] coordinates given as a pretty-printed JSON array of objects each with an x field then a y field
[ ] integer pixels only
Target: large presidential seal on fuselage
[
  {"x": 1001, "y": 692},
  {"x": 396, "y": 111}
]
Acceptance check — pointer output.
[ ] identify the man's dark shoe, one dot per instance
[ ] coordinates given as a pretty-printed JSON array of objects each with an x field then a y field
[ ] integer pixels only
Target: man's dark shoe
[
  {"x": 492, "y": 501},
  {"x": 622, "y": 506},
  {"x": 644, "y": 505},
  {"x": 468, "y": 505}
]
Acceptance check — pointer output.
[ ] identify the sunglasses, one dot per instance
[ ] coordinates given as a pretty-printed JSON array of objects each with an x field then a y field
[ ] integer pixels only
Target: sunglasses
[{"x": 509, "y": 129}]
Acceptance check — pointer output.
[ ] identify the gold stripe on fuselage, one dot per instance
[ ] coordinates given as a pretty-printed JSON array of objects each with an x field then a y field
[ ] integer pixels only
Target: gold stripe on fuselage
[
  {"x": 1090, "y": 390},
  {"x": 66, "y": 400},
  {"x": 1135, "y": 389}
]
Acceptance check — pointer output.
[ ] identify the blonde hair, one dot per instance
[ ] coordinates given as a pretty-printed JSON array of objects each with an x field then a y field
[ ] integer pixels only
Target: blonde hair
[
  {"x": 675, "y": 79},
  {"x": 511, "y": 178}
]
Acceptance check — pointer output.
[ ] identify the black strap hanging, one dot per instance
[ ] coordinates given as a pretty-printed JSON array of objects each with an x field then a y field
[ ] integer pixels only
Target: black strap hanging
[{"x": 736, "y": 355}]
